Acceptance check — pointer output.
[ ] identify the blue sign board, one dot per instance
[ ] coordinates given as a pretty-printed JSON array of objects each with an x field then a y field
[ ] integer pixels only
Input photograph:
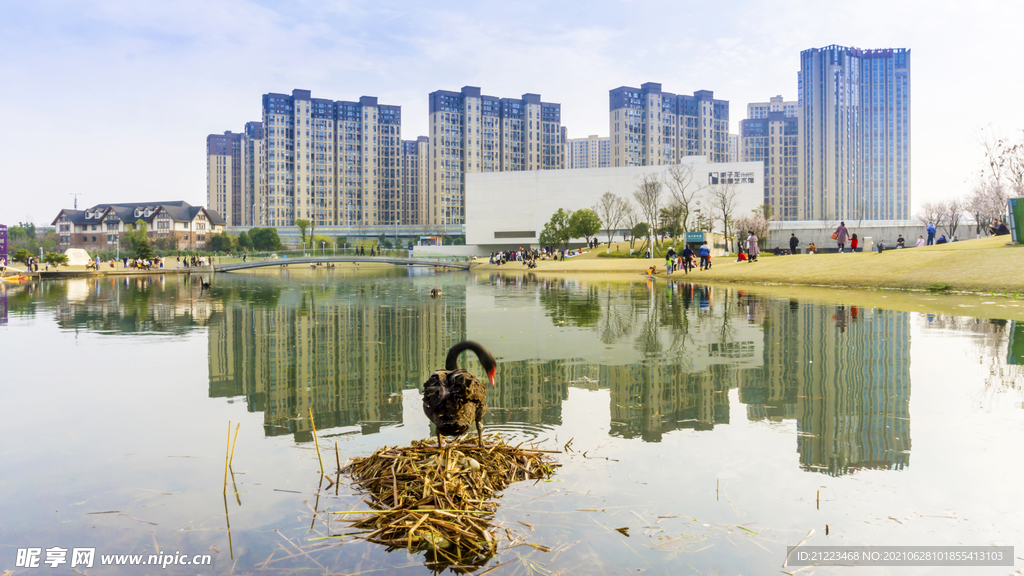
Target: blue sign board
[
  {"x": 3, "y": 244},
  {"x": 694, "y": 236}
]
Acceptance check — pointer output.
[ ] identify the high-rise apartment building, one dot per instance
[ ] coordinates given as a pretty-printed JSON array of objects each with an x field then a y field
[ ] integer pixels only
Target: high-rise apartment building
[
  {"x": 649, "y": 127},
  {"x": 252, "y": 177},
  {"x": 224, "y": 183},
  {"x": 591, "y": 152},
  {"x": 855, "y": 133},
  {"x": 415, "y": 174},
  {"x": 757, "y": 110},
  {"x": 734, "y": 148},
  {"x": 470, "y": 132},
  {"x": 334, "y": 163},
  {"x": 770, "y": 134}
]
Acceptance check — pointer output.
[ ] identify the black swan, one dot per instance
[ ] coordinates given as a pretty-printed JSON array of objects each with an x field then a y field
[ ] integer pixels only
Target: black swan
[
  {"x": 203, "y": 284},
  {"x": 453, "y": 398}
]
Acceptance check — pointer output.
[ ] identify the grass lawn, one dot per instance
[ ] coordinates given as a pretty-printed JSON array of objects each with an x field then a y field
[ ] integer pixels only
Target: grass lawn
[{"x": 982, "y": 265}]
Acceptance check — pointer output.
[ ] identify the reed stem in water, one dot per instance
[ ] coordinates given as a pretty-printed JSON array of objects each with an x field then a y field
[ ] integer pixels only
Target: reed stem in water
[
  {"x": 227, "y": 455},
  {"x": 315, "y": 441},
  {"x": 231, "y": 460}
]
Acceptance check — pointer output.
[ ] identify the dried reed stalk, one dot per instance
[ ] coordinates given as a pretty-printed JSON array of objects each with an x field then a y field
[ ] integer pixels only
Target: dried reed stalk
[
  {"x": 231, "y": 460},
  {"x": 440, "y": 501},
  {"x": 227, "y": 450},
  {"x": 315, "y": 441}
]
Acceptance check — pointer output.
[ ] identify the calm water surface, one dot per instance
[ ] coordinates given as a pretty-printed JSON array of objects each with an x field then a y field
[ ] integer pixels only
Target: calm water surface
[{"x": 717, "y": 425}]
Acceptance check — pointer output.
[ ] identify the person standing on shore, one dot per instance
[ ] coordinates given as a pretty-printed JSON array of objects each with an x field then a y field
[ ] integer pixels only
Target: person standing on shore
[
  {"x": 931, "y": 233},
  {"x": 793, "y": 243},
  {"x": 841, "y": 235},
  {"x": 854, "y": 242},
  {"x": 687, "y": 259},
  {"x": 705, "y": 256},
  {"x": 752, "y": 248}
]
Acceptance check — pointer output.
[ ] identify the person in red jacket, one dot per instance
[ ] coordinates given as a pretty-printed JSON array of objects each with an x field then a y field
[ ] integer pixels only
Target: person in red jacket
[{"x": 854, "y": 241}]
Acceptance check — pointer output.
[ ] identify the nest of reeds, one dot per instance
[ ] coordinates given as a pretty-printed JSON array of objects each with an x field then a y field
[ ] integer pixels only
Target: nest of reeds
[{"x": 442, "y": 501}]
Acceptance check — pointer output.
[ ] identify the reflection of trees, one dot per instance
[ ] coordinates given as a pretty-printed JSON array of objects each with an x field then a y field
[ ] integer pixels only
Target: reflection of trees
[
  {"x": 616, "y": 317},
  {"x": 248, "y": 291},
  {"x": 580, "y": 308},
  {"x": 135, "y": 304},
  {"x": 999, "y": 345}
]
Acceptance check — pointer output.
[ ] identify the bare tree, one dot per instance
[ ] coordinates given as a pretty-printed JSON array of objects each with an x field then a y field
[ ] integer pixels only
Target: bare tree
[
  {"x": 975, "y": 206},
  {"x": 952, "y": 211},
  {"x": 684, "y": 190},
  {"x": 648, "y": 197},
  {"x": 631, "y": 217},
  {"x": 1005, "y": 158},
  {"x": 757, "y": 222},
  {"x": 723, "y": 201},
  {"x": 986, "y": 203},
  {"x": 930, "y": 212},
  {"x": 611, "y": 209}
]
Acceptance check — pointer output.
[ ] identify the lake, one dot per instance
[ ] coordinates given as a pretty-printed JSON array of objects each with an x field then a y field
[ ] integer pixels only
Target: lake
[{"x": 711, "y": 427}]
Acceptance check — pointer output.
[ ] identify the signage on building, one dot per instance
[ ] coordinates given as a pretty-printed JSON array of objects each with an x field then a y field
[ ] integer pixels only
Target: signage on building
[
  {"x": 3, "y": 245},
  {"x": 730, "y": 177},
  {"x": 694, "y": 236}
]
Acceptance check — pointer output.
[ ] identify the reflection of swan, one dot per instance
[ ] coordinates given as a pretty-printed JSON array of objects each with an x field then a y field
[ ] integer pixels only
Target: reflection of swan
[
  {"x": 435, "y": 292},
  {"x": 453, "y": 398}
]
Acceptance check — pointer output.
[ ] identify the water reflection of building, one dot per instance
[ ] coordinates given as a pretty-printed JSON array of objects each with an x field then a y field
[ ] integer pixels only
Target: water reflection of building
[
  {"x": 844, "y": 375},
  {"x": 649, "y": 400},
  {"x": 668, "y": 357},
  {"x": 345, "y": 351}
]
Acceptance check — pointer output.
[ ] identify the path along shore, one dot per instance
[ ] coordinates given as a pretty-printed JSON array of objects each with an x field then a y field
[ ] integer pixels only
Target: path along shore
[{"x": 985, "y": 265}]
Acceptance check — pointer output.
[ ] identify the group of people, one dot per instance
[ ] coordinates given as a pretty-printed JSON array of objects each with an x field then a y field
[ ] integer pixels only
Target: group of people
[
  {"x": 529, "y": 256},
  {"x": 685, "y": 260},
  {"x": 526, "y": 256},
  {"x": 998, "y": 229},
  {"x": 749, "y": 248},
  {"x": 192, "y": 261}
]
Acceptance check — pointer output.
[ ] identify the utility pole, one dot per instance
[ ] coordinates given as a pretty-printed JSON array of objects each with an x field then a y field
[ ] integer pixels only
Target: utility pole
[{"x": 76, "y": 195}]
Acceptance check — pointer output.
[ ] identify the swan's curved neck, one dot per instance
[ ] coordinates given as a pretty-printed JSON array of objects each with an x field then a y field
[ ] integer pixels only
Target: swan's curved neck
[{"x": 451, "y": 362}]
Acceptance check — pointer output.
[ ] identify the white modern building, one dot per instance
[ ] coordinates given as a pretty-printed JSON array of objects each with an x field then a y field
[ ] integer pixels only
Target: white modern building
[{"x": 507, "y": 209}]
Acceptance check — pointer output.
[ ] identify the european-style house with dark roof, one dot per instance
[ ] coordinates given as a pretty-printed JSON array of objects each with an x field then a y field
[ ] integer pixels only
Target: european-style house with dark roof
[{"x": 171, "y": 225}]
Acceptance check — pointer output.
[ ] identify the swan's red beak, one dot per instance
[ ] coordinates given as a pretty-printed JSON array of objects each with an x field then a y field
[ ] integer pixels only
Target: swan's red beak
[{"x": 490, "y": 376}]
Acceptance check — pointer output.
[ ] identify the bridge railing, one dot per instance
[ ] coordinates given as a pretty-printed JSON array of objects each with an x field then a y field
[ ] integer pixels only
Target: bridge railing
[{"x": 321, "y": 252}]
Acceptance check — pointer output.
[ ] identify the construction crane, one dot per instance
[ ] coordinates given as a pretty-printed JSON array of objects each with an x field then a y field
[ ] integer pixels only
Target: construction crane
[{"x": 76, "y": 195}]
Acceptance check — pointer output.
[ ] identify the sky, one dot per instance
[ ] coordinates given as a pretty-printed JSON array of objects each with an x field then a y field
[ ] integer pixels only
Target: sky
[{"x": 113, "y": 100}]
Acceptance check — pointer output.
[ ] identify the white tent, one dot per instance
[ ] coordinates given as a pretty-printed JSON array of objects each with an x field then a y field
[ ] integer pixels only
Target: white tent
[{"x": 77, "y": 257}]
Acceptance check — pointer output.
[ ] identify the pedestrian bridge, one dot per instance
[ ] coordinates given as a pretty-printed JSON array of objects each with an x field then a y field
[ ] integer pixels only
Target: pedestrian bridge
[{"x": 430, "y": 262}]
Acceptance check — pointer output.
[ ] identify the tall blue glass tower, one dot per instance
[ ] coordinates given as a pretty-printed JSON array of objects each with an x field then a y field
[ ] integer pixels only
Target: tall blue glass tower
[{"x": 855, "y": 133}]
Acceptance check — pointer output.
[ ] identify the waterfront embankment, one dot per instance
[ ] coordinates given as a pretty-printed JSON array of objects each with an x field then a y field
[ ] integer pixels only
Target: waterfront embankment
[{"x": 985, "y": 265}]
